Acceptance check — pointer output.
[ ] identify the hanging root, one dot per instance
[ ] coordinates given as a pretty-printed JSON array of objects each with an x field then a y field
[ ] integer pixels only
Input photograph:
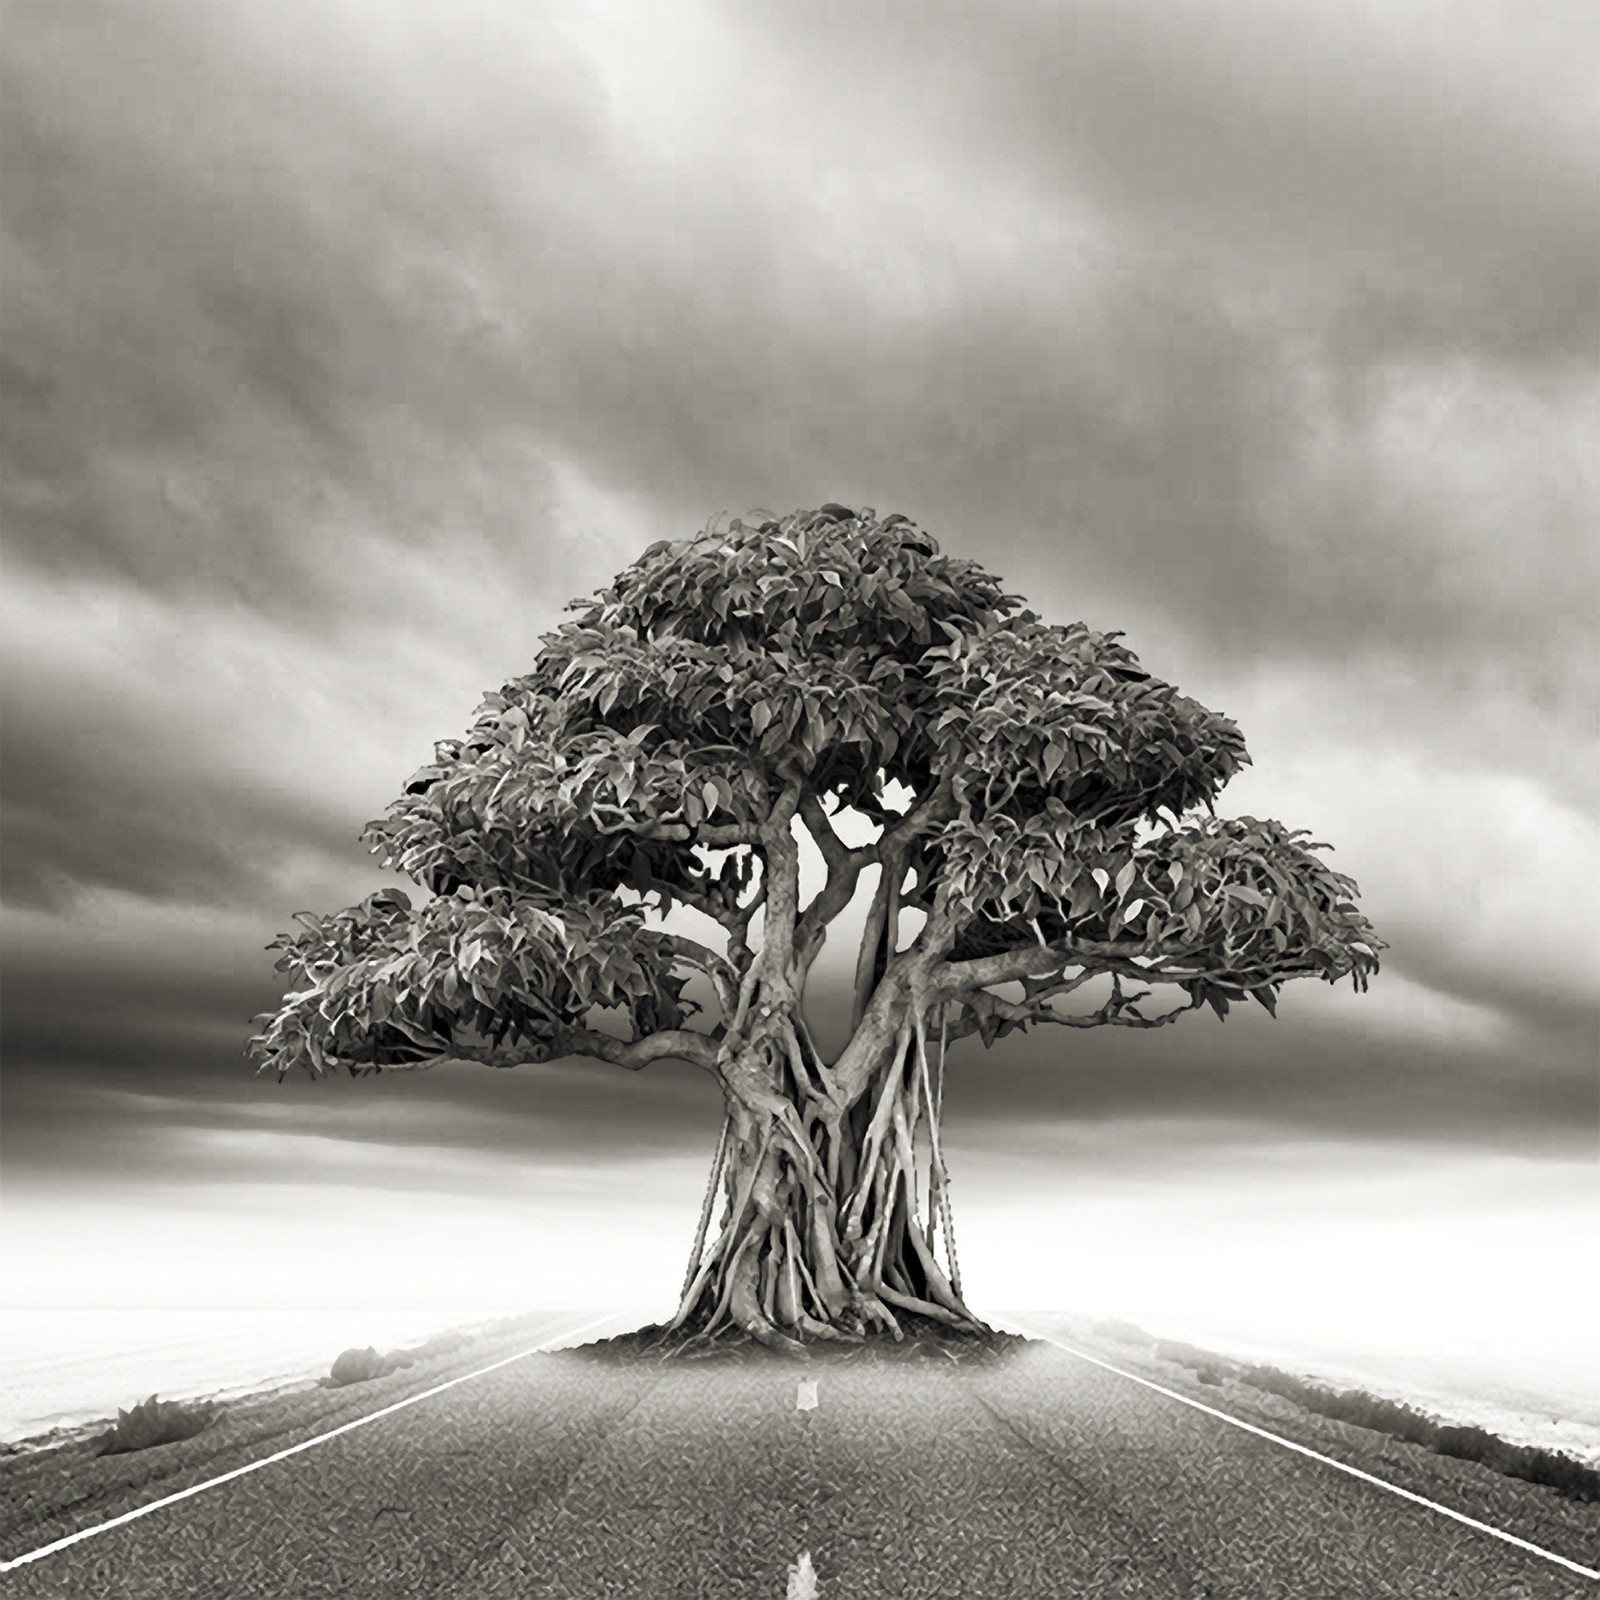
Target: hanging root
[
  {"x": 745, "y": 1305},
  {"x": 705, "y": 1208},
  {"x": 823, "y": 1233}
]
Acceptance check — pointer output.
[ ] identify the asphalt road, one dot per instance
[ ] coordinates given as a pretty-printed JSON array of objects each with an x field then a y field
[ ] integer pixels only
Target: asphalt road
[{"x": 558, "y": 1476}]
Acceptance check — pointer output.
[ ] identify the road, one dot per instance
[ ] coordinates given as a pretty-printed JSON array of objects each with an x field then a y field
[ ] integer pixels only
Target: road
[{"x": 557, "y": 1476}]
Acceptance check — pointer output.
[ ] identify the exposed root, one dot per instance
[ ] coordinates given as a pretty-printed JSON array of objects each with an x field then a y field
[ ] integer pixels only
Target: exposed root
[
  {"x": 926, "y": 1308},
  {"x": 822, "y": 1237},
  {"x": 922, "y": 1338},
  {"x": 875, "y": 1311}
]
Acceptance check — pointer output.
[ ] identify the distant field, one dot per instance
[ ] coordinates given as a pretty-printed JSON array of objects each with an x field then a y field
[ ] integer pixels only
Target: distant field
[
  {"x": 65, "y": 1369},
  {"x": 1541, "y": 1398}
]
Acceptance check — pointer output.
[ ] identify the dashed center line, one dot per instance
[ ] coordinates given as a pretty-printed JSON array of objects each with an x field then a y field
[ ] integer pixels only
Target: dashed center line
[
  {"x": 806, "y": 1398},
  {"x": 802, "y": 1579}
]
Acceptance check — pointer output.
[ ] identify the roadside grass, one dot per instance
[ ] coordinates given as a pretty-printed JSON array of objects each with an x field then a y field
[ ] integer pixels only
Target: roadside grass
[
  {"x": 361, "y": 1366},
  {"x": 1571, "y": 1478},
  {"x": 154, "y": 1422},
  {"x": 53, "y": 1483}
]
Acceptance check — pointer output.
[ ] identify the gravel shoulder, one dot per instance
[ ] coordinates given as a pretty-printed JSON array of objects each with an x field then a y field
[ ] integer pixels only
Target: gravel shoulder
[{"x": 563, "y": 1476}]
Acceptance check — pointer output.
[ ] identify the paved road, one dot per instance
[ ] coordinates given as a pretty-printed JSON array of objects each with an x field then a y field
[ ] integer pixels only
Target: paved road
[{"x": 558, "y": 1477}]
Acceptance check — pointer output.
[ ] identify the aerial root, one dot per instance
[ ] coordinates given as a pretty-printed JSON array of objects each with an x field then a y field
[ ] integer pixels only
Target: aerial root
[
  {"x": 801, "y": 1258},
  {"x": 926, "y": 1308}
]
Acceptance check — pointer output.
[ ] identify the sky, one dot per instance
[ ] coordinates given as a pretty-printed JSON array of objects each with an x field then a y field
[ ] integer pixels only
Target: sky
[{"x": 343, "y": 343}]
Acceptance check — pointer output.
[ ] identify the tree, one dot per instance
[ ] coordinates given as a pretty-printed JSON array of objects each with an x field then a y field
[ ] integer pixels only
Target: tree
[{"x": 1029, "y": 792}]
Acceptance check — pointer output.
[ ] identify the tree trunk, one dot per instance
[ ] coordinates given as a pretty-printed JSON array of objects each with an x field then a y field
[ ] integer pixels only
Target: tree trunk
[{"x": 826, "y": 1230}]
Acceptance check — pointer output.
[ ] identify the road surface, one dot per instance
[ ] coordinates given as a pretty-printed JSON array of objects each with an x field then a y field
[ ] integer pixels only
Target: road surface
[{"x": 558, "y": 1476}]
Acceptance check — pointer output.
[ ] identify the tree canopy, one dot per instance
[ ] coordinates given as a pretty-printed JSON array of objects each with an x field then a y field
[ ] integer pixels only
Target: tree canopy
[{"x": 1034, "y": 789}]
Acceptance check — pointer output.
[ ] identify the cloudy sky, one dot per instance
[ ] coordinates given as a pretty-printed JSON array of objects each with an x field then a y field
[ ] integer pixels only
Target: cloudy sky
[{"x": 344, "y": 342}]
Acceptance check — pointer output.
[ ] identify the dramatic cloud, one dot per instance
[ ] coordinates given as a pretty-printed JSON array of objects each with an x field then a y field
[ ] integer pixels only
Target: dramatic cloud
[{"x": 343, "y": 343}]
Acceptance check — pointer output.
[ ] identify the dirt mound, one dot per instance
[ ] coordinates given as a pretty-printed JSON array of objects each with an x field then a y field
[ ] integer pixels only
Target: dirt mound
[{"x": 924, "y": 1340}]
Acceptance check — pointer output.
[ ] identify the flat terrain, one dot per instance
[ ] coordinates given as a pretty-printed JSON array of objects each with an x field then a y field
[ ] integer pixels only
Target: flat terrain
[{"x": 561, "y": 1475}]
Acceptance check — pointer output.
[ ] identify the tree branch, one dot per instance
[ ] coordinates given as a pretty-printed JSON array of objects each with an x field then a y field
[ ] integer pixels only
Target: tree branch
[
  {"x": 844, "y": 871},
  {"x": 834, "y": 850},
  {"x": 723, "y": 836},
  {"x": 871, "y": 947},
  {"x": 939, "y": 805},
  {"x": 781, "y": 878},
  {"x": 879, "y": 937},
  {"x": 955, "y": 978},
  {"x": 1117, "y": 1012},
  {"x": 738, "y": 924},
  {"x": 723, "y": 974},
  {"x": 786, "y": 806},
  {"x": 681, "y": 1043}
]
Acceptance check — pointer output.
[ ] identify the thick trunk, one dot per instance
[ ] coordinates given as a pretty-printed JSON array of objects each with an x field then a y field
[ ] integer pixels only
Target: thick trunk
[{"x": 829, "y": 1215}]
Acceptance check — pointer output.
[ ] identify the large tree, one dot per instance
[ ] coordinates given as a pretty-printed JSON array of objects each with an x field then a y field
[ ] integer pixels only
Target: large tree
[{"x": 1026, "y": 794}]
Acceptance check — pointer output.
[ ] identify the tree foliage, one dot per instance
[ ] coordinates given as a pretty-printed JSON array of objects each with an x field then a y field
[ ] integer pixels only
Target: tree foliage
[{"x": 731, "y": 686}]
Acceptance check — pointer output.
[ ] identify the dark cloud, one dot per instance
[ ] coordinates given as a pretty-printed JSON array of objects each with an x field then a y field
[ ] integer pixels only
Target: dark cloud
[
  {"x": 1314, "y": 1070},
  {"x": 1432, "y": 183},
  {"x": 107, "y": 809},
  {"x": 321, "y": 311},
  {"x": 124, "y": 1064},
  {"x": 242, "y": 319},
  {"x": 461, "y": 1129},
  {"x": 348, "y": 342},
  {"x": 1287, "y": 1080}
]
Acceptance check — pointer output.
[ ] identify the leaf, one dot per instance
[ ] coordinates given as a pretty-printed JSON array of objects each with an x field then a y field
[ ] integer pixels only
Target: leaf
[
  {"x": 1133, "y": 909},
  {"x": 1053, "y": 757},
  {"x": 1124, "y": 878},
  {"x": 639, "y": 871},
  {"x": 760, "y": 715},
  {"x": 1102, "y": 877}
]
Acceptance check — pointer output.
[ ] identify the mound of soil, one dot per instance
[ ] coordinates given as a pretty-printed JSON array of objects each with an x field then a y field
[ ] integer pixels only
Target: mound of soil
[{"x": 924, "y": 1340}]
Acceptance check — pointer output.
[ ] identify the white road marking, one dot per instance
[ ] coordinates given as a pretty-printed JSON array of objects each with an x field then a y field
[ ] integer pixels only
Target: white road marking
[
  {"x": 294, "y": 1449},
  {"x": 802, "y": 1579},
  {"x": 806, "y": 1399},
  {"x": 1289, "y": 1444}
]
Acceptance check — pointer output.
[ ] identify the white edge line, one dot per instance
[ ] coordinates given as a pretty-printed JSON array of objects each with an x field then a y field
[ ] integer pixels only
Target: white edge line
[
  {"x": 1289, "y": 1444},
  {"x": 295, "y": 1449}
]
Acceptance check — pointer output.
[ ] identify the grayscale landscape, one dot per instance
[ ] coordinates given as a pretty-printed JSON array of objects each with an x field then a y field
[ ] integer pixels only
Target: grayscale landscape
[
  {"x": 800, "y": 799},
  {"x": 576, "y": 1474}
]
